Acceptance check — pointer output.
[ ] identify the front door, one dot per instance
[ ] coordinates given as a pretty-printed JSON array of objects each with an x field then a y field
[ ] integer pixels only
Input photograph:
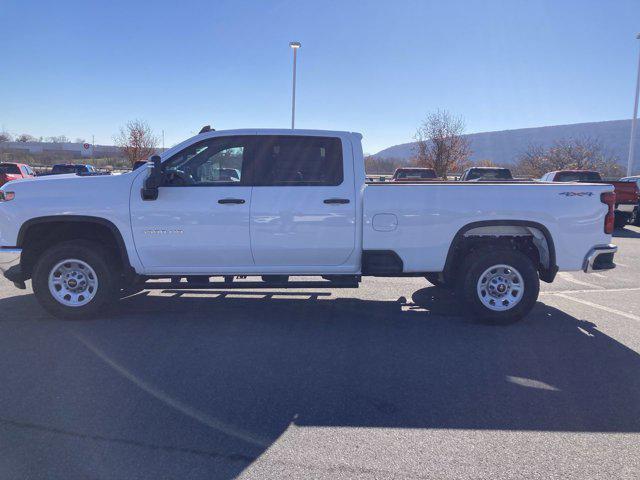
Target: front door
[
  {"x": 200, "y": 220},
  {"x": 303, "y": 211}
]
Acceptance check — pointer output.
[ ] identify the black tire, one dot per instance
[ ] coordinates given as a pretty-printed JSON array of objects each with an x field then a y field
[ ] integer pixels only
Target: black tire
[
  {"x": 620, "y": 220},
  {"x": 94, "y": 255},
  {"x": 636, "y": 216},
  {"x": 434, "y": 279},
  {"x": 479, "y": 262}
]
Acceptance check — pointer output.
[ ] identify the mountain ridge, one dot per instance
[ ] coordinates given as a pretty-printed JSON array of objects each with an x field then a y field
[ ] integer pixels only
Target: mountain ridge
[{"x": 505, "y": 146}]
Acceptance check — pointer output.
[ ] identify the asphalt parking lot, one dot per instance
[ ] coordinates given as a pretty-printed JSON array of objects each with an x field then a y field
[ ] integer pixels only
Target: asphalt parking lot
[{"x": 388, "y": 381}]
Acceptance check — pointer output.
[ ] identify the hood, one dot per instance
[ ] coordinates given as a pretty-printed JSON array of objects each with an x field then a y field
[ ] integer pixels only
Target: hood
[{"x": 66, "y": 184}]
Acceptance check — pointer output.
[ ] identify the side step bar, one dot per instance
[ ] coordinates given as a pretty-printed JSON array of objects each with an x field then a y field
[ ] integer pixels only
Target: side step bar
[{"x": 350, "y": 282}]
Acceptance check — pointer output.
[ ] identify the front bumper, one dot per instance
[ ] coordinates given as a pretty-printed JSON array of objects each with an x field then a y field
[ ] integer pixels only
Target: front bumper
[
  {"x": 600, "y": 257},
  {"x": 10, "y": 265}
]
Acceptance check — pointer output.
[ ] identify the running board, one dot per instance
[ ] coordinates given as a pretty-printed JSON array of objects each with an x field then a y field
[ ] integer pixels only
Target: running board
[{"x": 160, "y": 285}]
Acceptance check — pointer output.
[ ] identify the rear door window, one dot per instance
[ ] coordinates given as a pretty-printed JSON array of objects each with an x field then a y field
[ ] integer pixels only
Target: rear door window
[{"x": 288, "y": 160}]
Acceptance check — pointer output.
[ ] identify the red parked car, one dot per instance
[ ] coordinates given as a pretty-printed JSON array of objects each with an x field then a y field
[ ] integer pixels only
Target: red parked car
[{"x": 14, "y": 171}]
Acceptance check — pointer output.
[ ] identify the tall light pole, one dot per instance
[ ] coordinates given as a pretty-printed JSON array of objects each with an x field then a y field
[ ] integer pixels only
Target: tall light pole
[
  {"x": 295, "y": 46},
  {"x": 634, "y": 120}
]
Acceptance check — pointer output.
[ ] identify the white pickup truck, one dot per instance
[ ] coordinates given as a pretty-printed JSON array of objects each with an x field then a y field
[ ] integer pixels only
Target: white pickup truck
[{"x": 281, "y": 203}]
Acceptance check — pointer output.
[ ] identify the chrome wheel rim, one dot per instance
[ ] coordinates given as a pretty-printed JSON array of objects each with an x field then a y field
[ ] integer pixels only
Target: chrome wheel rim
[
  {"x": 500, "y": 287},
  {"x": 73, "y": 283}
]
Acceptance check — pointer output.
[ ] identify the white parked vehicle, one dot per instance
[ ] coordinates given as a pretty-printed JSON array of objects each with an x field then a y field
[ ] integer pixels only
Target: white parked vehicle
[{"x": 299, "y": 207}]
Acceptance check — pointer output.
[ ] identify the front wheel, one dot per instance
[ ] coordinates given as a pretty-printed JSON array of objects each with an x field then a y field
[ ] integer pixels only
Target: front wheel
[
  {"x": 499, "y": 286},
  {"x": 75, "y": 280}
]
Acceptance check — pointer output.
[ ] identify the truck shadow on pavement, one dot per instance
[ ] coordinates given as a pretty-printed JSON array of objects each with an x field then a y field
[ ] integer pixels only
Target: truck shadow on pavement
[
  {"x": 626, "y": 233},
  {"x": 416, "y": 363},
  {"x": 262, "y": 362}
]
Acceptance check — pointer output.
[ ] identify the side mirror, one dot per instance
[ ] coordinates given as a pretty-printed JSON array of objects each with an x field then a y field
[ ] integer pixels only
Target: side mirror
[{"x": 152, "y": 182}]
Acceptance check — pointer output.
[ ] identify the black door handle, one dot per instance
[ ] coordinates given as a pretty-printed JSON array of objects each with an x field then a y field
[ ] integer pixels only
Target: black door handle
[
  {"x": 337, "y": 200},
  {"x": 226, "y": 201}
]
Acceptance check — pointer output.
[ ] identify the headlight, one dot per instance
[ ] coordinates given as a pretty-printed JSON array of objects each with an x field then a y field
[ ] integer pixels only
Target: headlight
[{"x": 6, "y": 196}]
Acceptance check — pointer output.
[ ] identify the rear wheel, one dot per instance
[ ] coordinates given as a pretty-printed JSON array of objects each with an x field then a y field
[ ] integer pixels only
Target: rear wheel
[
  {"x": 75, "y": 280},
  {"x": 499, "y": 286}
]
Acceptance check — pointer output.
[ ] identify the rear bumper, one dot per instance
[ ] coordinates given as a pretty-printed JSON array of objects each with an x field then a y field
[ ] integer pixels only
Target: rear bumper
[
  {"x": 600, "y": 257},
  {"x": 10, "y": 265}
]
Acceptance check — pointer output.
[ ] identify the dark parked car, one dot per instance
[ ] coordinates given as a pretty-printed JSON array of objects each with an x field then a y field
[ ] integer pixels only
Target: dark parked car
[
  {"x": 80, "y": 169},
  {"x": 414, "y": 175},
  {"x": 486, "y": 174}
]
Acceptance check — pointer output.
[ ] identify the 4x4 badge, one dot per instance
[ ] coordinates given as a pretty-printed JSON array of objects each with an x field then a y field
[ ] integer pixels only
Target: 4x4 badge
[{"x": 576, "y": 194}]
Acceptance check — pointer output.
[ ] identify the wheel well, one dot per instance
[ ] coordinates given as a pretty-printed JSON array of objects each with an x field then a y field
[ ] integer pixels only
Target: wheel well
[
  {"x": 531, "y": 239},
  {"x": 36, "y": 237}
]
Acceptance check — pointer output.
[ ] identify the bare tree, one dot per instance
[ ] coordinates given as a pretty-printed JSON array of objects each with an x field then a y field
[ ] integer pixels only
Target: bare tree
[
  {"x": 440, "y": 144},
  {"x": 374, "y": 165},
  {"x": 79, "y": 140},
  {"x": 5, "y": 137},
  {"x": 25, "y": 137},
  {"x": 485, "y": 162},
  {"x": 137, "y": 141},
  {"x": 568, "y": 154}
]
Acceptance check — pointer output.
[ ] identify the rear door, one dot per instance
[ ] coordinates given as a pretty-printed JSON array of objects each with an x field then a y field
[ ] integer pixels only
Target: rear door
[{"x": 303, "y": 209}]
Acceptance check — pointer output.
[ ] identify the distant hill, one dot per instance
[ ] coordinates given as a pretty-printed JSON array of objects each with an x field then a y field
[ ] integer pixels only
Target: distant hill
[{"x": 504, "y": 147}]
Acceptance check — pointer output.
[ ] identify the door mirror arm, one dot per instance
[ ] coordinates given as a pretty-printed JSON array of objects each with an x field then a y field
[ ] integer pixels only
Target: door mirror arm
[{"x": 153, "y": 181}]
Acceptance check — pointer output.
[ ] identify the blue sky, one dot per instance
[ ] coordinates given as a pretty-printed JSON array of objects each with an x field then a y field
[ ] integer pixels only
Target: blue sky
[{"x": 83, "y": 68}]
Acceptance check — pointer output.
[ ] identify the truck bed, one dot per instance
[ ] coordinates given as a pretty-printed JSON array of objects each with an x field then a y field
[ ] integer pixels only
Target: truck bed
[{"x": 419, "y": 221}]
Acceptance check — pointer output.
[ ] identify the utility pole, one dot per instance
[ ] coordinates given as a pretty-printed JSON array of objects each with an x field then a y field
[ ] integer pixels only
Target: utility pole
[
  {"x": 634, "y": 120},
  {"x": 295, "y": 46}
]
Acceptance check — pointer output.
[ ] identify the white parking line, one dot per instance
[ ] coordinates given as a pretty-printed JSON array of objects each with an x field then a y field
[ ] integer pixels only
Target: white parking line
[
  {"x": 601, "y": 307},
  {"x": 569, "y": 278},
  {"x": 187, "y": 410},
  {"x": 613, "y": 290}
]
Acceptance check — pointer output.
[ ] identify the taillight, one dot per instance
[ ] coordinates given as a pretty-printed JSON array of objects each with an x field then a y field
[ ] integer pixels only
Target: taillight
[{"x": 609, "y": 199}]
